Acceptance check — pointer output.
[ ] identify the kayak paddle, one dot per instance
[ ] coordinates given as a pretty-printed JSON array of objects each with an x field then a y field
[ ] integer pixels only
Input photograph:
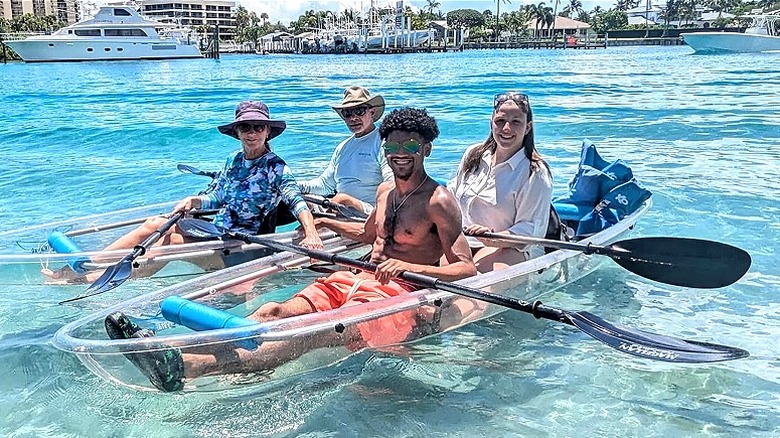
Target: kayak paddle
[
  {"x": 349, "y": 213},
  {"x": 185, "y": 168},
  {"x": 672, "y": 260},
  {"x": 627, "y": 340},
  {"x": 120, "y": 272},
  {"x": 140, "y": 220}
]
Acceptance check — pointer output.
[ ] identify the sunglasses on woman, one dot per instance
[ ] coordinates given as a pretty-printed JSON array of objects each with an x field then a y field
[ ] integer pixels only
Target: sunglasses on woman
[
  {"x": 411, "y": 146},
  {"x": 349, "y": 112},
  {"x": 246, "y": 127},
  {"x": 514, "y": 96}
]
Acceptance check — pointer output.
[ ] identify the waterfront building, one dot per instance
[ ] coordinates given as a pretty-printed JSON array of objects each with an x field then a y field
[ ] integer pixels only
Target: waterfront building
[
  {"x": 647, "y": 14},
  {"x": 64, "y": 10},
  {"x": 561, "y": 26},
  {"x": 652, "y": 13},
  {"x": 194, "y": 14}
]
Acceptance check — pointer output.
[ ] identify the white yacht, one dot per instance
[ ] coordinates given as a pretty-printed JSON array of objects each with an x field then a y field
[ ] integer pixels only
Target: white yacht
[
  {"x": 115, "y": 33},
  {"x": 763, "y": 35}
]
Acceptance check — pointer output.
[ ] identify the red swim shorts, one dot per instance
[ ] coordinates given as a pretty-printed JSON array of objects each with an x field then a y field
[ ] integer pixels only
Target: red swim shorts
[{"x": 343, "y": 288}]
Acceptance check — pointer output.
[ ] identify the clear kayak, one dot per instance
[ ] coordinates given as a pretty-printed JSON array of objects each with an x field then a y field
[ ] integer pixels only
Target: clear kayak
[
  {"x": 78, "y": 243},
  {"x": 238, "y": 291}
]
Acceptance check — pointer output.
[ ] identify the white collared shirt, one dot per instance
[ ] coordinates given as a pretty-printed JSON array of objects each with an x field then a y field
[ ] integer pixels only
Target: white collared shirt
[{"x": 508, "y": 197}]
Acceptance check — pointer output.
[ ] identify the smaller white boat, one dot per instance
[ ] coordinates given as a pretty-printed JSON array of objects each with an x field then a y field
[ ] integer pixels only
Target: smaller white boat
[
  {"x": 763, "y": 35},
  {"x": 115, "y": 33},
  {"x": 389, "y": 34}
]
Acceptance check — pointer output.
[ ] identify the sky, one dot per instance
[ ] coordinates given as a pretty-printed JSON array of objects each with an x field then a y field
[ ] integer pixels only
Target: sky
[{"x": 289, "y": 10}]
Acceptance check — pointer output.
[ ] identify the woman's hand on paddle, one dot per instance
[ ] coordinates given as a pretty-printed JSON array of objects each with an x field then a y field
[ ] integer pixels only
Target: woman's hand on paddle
[
  {"x": 312, "y": 241},
  {"x": 187, "y": 204},
  {"x": 476, "y": 229},
  {"x": 389, "y": 269}
]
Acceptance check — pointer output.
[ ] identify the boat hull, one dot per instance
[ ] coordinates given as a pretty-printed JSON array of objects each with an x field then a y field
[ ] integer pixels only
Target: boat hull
[
  {"x": 39, "y": 49},
  {"x": 85, "y": 337},
  {"x": 720, "y": 42},
  {"x": 90, "y": 234}
]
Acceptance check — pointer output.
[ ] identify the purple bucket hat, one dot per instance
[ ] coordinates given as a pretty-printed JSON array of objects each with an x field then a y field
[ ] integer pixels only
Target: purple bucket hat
[{"x": 253, "y": 111}]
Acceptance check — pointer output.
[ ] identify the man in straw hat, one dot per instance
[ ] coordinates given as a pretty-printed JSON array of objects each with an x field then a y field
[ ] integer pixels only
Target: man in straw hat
[{"x": 357, "y": 166}]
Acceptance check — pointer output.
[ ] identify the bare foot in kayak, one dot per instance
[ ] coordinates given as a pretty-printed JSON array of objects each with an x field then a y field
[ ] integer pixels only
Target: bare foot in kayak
[{"x": 64, "y": 275}]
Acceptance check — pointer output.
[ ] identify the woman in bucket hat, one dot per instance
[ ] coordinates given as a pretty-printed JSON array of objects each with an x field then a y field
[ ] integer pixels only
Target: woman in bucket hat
[
  {"x": 357, "y": 166},
  {"x": 247, "y": 193}
]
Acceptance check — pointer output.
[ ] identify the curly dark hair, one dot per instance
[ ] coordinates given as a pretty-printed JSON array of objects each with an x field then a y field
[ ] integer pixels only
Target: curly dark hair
[{"x": 410, "y": 120}]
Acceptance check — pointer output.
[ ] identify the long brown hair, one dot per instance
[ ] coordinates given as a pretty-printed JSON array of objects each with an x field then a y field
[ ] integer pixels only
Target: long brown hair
[{"x": 529, "y": 147}]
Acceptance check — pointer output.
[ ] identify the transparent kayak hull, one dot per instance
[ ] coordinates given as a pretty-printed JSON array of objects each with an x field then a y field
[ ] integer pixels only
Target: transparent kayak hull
[
  {"x": 24, "y": 252},
  {"x": 238, "y": 291}
]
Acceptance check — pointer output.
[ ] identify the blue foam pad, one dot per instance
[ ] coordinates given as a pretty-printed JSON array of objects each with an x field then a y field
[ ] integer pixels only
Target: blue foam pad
[{"x": 202, "y": 317}]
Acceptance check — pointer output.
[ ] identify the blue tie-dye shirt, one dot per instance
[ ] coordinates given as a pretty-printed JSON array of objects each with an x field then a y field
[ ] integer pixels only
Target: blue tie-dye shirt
[{"x": 247, "y": 190}]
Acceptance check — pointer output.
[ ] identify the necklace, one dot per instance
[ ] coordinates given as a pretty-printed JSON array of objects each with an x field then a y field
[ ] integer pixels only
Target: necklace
[{"x": 408, "y": 195}]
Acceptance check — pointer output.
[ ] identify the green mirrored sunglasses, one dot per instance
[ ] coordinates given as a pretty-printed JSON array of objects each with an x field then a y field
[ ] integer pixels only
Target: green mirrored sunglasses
[{"x": 410, "y": 146}]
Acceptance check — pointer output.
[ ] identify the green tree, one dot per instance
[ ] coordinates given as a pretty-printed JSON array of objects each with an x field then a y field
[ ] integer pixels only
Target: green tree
[
  {"x": 624, "y": 5},
  {"x": 498, "y": 3},
  {"x": 248, "y": 27},
  {"x": 515, "y": 21},
  {"x": 469, "y": 18},
  {"x": 419, "y": 20},
  {"x": 670, "y": 12},
  {"x": 574, "y": 7},
  {"x": 433, "y": 5},
  {"x": 32, "y": 23},
  {"x": 721, "y": 5},
  {"x": 551, "y": 22},
  {"x": 609, "y": 20}
]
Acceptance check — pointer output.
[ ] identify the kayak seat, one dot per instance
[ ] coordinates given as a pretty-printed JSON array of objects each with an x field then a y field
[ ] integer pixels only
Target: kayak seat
[{"x": 279, "y": 216}]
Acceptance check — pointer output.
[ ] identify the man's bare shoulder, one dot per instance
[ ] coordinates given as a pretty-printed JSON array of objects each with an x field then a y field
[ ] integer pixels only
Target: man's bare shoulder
[{"x": 443, "y": 202}]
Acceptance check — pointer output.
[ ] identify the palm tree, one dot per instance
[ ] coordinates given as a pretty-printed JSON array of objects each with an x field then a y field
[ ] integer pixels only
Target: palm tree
[
  {"x": 544, "y": 17},
  {"x": 668, "y": 13},
  {"x": 264, "y": 17},
  {"x": 498, "y": 2},
  {"x": 433, "y": 4},
  {"x": 549, "y": 19},
  {"x": 554, "y": 17},
  {"x": 574, "y": 7}
]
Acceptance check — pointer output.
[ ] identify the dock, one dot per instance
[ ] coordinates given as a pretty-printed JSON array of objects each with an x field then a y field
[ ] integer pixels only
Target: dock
[{"x": 535, "y": 44}]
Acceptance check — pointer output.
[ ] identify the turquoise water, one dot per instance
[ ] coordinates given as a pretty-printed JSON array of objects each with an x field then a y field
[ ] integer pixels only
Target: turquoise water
[{"x": 702, "y": 132}]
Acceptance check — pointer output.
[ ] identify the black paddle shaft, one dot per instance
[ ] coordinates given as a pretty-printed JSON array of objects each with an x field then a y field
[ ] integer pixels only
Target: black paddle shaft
[
  {"x": 536, "y": 309},
  {"x": 142, "y": 247}
]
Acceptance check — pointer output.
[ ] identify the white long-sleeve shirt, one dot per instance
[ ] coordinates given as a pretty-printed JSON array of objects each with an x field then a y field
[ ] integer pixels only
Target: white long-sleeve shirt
[
  {"x": 508, "y": 197},
  {"x": 356, "y": 168}
]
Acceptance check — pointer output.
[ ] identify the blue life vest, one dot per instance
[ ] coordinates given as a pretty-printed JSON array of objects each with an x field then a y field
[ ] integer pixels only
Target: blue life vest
[{"x": 600, "y": 194}]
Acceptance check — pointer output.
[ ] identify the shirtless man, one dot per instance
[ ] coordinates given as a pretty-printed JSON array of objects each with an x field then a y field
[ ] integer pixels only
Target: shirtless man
[{"x": 415, "y": 227}]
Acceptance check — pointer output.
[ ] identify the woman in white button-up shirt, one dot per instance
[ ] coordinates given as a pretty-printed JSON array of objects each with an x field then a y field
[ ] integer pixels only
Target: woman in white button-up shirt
[{"x": 504, "y": 186}]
